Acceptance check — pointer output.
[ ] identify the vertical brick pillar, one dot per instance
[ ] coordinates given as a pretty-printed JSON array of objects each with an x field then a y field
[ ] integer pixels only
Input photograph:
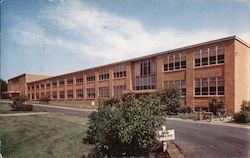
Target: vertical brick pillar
[
  {"x": 111, "y": 92},
  {"x": 65, "y": 89},
  {"x": 57, "y": 89},
  {"x": 74, "y": 87},
  {"x": 129, "y": 77},
  {"x": 96, "y": 85},
  {"x": 229, "y": 65},
  {"x": 84, "y": 87},
  {"x": 190, "y": 79},
  {"x": 159, "y": 72}
]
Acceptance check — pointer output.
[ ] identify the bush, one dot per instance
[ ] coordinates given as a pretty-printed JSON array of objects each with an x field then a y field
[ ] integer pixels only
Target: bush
[
  {"x": 215, "y": 105},
  {"x": 185, "y": 109},
  {"x": 126, "y": 127},
  {"x": 244, "y": 115},
  {"x": 45, "y": 98},
  {"x": 21, "y": 107},
  {"x": 20, "y": 99},
  {"x": 171, "y": 98}
]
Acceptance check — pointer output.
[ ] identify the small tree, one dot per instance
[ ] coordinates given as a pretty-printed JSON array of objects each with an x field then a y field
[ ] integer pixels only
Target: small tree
[
  {"x": 171, "y": 98},
  {"x": 20, "y": 99},
  {"x": 215, "y": 105},
  {"x": 126, "y": 127},
  {"x": 45, "y": 98}
]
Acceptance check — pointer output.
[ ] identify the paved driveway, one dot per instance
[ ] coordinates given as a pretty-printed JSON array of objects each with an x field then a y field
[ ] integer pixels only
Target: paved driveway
[{"x": 198, "y": 140}]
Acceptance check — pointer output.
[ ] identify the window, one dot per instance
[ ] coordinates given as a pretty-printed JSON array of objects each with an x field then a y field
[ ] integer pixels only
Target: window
[
  {"x": 70, "y": 94},
  {"x": 220, "y": 54},
  {"x": 103, "y": 92},
  {"x": 54, "y": 84},
  {"x": 61, "y": 83},
  {"x": 61, "y": 94},
  {"x": 47, "y": 85},
  {"x": 212, "y": 56},
  {"x": 37, "y": 96},
  {"x": 118, "y": 90},
  {"x": 174, "y": 62},
  {"x": 69, "y": 81},
  {"x": 54, "y": 95},
  {"x": 90, "y": 78},
  {"x": 204, "y": 86},
  {"x": 177, "y": 61},
  {"x": 183, "y": 88},
  {"x": 171, "y": 62},
  {"x": 144, "y": 74},
  {"x": 197, "y": 87},
  {"x": 197, "y": 58},
  {"x": 90, "y": 93},
  {"x": 79, "y": 79},
  {"x": 79, "y": 93},
  {"x": 32, "y": 96},
  {"x": 104, "y": 74},
  {"x": 37, "y": 86},
  {"x": 220, "y": 85},
  {"x": 183, "y": 61},
  {"x": 42, "y": 86},
  {"x": 32, "y": 87},
  {"x": 28, "y": 87},
  {"x": 212, "y": 86},
  {"x": 180, "y": 84},
  {"x": 204, "y": 59},
  {"x": 209, "y": 56},
  {"x": 120, "y": 71},
  {"x": 209, "y": 86}
]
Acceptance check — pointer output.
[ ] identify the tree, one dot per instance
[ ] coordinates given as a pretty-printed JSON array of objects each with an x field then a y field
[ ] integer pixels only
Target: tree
[
  {"x": 171, "y": 98},
  {"x": 3, "y": 87},
  {"x": 215, "y": 105},
  {"x": 126, "y": 127}
]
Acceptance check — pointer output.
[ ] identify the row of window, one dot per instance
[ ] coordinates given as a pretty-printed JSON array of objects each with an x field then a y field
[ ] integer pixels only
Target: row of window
[
  {"x": 209, "y": 86},
  {"x": 209, "y": 56},
  {"x": 180, "y": 84},
  {"x": 90, "y": 93},
  {"x": 174, "y": 62}
]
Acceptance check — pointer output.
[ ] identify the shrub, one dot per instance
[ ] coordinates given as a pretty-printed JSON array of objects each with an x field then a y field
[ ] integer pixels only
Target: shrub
[
  {"x": 21, "y": 107},
  {"x": 215, "y": 105},
  {"x": 171, "y": 99},
  {"x": 126, "y": 127},
  {"x": 45, "y": 98},
  {"x": 244, "y": 115},
  {"x": 20, "y": 99}
]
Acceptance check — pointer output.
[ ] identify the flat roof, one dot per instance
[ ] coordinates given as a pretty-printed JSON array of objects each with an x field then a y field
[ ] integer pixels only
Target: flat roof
[{"x": 153, "y": 55}]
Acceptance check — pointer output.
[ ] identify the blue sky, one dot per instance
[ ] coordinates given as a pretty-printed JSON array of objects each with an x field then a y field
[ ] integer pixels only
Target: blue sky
[{"x": 52, "y": 37}]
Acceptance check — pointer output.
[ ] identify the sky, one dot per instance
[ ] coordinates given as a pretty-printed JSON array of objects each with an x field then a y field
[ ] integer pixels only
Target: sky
[{"x": 52, "y": 37}]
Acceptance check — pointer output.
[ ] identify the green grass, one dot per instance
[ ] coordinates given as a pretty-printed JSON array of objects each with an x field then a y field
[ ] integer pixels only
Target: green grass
[
  {"x": 53, "y": 135},
  {"x": 5, "y": 108}
]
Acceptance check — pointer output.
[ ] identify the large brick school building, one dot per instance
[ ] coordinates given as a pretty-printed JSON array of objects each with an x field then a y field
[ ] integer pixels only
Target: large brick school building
[{"x": 219, "y": 68}]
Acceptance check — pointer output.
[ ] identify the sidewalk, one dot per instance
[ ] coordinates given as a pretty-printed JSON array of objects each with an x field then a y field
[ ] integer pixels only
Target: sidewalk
[
  {"x": 215, "y": 121},
  {"x": 24, "y": 114},
  {"x": 65, "y": 108}
]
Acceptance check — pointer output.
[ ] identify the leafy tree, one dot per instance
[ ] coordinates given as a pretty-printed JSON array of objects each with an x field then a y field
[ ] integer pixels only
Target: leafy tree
[
  {"x": 171, "y": 98},
  {"x": 215, "y": 105},
  {"x": 45, "y": 98},
  {"x": 126, "y": 127}
]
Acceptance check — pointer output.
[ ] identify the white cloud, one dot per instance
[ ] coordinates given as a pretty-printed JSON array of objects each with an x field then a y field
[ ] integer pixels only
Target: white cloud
[{"x": 98, "y": 33}]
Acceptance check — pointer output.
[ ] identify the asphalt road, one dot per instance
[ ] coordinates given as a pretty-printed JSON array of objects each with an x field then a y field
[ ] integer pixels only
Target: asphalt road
[{"x": 199, "y": 140}]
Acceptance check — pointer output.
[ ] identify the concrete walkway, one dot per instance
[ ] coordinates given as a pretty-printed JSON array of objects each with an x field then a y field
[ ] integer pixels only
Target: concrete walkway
[
  {"x": 24, "y": 114},
  {"x": 215, "y": 121},
  {"x": 62, "y": 107}
]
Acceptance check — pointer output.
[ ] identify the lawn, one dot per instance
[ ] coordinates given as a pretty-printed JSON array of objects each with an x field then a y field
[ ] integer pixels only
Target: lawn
[
  {"x": 52, "y": 135},
  {"x": 5, "y": 108}
]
